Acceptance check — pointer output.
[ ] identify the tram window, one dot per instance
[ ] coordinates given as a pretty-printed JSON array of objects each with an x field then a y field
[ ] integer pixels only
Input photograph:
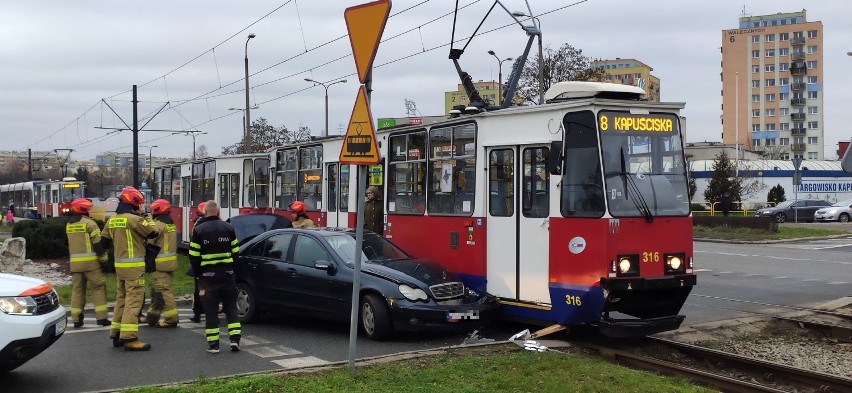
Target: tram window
[
  {"x": 197, "y": 171},
  {"x": 407, "y": 174},
  {"x": 175, "y": 192},
  {"x": 501, "y": 183},
  {"x": 224, "y": 190},
  {"x": 332, "y": 189},
  {"x": 344, "y": 187},
  {"x": 209, "y": 180},
  {"x": 235, "y": 190},
  {"x": 261, "y": 185},
  {"x": 286, "y": 173},
  {"x": 451, "y": 168},
  {"x": 158, "y": 183},
  {"x": 582, "y": 185},
  {"x": 536, "y": 190},
  {"x": 310, "y": 177}
]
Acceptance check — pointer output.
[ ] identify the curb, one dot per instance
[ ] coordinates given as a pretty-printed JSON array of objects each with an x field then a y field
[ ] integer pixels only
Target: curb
[{"x": 774, "y": 241}]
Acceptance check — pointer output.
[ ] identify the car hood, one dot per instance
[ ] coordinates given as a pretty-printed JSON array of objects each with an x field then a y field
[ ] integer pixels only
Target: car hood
[
  {"x": 14, "y": 285},
  {"x": 403, "y": 270}
]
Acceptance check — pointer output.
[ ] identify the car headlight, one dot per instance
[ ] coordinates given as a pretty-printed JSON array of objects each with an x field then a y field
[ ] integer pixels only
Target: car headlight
[
  {"x": 831, "y": 211},
  {"x": 412, "y": 293},
  {"x": 18, "y": 305}
]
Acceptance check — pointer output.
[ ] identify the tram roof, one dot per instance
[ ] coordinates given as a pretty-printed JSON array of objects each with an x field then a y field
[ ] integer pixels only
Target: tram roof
[{"x": 766, "y": 165}]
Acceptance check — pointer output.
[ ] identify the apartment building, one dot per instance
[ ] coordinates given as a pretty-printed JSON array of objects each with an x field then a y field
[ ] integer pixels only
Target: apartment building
[{"x": 630, "y": 72}]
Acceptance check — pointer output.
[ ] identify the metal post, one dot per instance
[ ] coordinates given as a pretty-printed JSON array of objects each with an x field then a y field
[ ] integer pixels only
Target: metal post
[
  {"x": 30, "y": 165},
  {"x": 325, "y": 85},
  {"x": 737, "y": 120},
  {"x": 135, "y": 140},
  {"x": 247, "y": 130}
]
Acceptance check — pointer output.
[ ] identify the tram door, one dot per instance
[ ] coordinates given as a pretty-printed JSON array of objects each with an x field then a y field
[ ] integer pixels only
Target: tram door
[
  {"x": 229, "y": 195},
  {"x": 518, "y": 208},
  {"x": 337, "y": 194}
]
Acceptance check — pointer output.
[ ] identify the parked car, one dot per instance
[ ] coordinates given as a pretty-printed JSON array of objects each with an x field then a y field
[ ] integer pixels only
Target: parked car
[
  {"x": 840, "y": 211},
  {"x": 801, "y": 210},
  {"x": 31, "y": 319},
  {"x": 310, "y": 272}
]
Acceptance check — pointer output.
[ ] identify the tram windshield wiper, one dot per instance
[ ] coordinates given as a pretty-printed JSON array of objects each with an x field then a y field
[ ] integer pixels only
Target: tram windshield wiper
[{"x": 631, "y": 187}]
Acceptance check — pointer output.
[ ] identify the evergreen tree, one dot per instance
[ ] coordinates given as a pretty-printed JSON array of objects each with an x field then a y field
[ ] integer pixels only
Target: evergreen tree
[
  {"x": 776, "y": 194},
  {"x": 723, "y": 180}
]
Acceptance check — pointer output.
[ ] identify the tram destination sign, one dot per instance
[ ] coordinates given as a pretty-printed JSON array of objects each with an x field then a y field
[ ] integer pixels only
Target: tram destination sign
[{"x": 609, "y": 121}]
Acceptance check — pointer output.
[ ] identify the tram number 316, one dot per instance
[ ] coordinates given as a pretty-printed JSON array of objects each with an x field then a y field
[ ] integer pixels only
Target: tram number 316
[
  {"x": 650, "y": 256},
  {"x": 573, "y": 300}
]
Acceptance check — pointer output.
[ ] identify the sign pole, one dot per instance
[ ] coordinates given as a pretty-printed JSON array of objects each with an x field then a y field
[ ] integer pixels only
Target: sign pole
[{"x": 356, "y": 280}]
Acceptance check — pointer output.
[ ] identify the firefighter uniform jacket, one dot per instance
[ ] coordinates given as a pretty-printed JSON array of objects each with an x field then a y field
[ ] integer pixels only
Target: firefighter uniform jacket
[
  {"x": 84, "y": 238},
  {"x": 213, "y": 246},
  {"x": 167, "y": 241},
  {"x": 124, "y": 231}
]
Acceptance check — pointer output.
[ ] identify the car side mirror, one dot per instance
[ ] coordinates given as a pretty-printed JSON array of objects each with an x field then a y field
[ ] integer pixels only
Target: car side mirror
[{"x": 329, "y": 267}]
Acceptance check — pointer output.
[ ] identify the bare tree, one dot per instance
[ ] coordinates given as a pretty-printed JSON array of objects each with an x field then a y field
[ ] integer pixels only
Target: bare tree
[
  {"x": 201, "y": 152},
  {"x": 564, "y": 64}
]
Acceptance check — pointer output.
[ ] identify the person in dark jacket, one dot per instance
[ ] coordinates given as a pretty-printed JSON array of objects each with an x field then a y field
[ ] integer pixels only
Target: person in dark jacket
[
  {"x": 212, "y": 252},
  {"x": 197, "y": 309},
  {"x": 374, "y": 213}
]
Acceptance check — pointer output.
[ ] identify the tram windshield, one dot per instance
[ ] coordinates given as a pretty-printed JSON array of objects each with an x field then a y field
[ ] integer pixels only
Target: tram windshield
[{"x": 643, "y": 164}]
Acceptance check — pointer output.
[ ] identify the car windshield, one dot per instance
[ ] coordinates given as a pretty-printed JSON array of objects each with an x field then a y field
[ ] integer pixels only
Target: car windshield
[
  {"x": 785, "y": 204},
  {"x": 845, "y": 203},
  {"x": 375, "y": 248}
]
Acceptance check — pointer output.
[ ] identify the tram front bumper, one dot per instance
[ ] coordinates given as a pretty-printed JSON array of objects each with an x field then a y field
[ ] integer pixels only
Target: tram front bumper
[{"x": 654, "y": 302}]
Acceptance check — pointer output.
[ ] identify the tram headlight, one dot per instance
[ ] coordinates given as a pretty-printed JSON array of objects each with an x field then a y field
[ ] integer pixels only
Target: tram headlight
[
  {"x": 675, "y": 264},
  {"x": 627, "y": 265}
]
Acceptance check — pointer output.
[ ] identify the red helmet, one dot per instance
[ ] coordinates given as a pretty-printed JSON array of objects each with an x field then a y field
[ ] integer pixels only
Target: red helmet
[
  {"x": 131, "y": 196},
  {"x": 160, "y": 206},
  {"x": 297, "y": 207},
  {"x": 81, "y": 206},
  {"x": 201, "y": 208}
]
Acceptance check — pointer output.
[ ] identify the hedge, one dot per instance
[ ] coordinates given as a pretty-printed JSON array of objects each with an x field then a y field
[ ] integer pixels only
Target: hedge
[
  {"x": 46, "y": 238},
  {"x": 763, "y": 223}
]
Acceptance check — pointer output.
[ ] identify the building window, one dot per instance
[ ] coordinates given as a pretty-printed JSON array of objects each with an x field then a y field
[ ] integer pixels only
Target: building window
[
  {"x": 783, "y": 96},
  {"x": 785, "y": 156},
  {"x": 784, "y": 141},
  {"x": 770, "y": 126},
  {"x": 812, "y": 79},
  {"x": 783, "y": 112},
  {"x": 785, "y": 126},
  {"x": 783, "y": 67},
  {"x": 812, "y": 49},
  {"x": 770, "y": 82},
  {"x": 812, "y": 155},
  {"x": 755, "y": 98},
  {"x": 770, "y": 142},
  {"x": 798, "y": 94},
  {"x": 755, "y": 142},
  {"x": 813, "y": 125},
  {"x": 755, "y": 68},
  {"x": 812, "y": 34},
  {"x": 770, "y": 97},
  {"x": 770, "y": 112},
  {"x": 755, "y": 113},
  {"x": 798, "y": 140},
  {"x": 798, "y": 125},
  {"x": 784, "y": 81},
  {"x": 812, "y": 94},
  {"x": 783, "y": 36},
  {"x": 755, "y": 83},
  {"x": 770, "y": 67},
  {"x": 812, "y": 64},
  {"x": 798, "y": 34},
  {"x": 770, "y": 53},
  {"x": 813, "y": 110},
  {"x": 755, "y": 54},
  {"x": 755, "y": 39},
  {"x": 783, "y": 51},
  {"x": 770, "y": 37},
  {"x": 755, "y": 128},
  {"x": 812, "y": 140}
]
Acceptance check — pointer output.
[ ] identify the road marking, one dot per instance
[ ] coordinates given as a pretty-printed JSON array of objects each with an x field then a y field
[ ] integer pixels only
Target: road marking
[
  {"x": 701, "y": 270},
  {"x": 273, "y": 351},
  {"x": 781, "y": 278},
  {"x": 830, "y": 247},
  {"x": 837, "y": 283},
  {"x": 307, "y": 361}
]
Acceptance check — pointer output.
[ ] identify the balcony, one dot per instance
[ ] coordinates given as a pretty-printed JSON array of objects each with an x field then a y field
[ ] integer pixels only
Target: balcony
[
  {"x": 797, "y": 41},
  {"x": 798, "y": 101},
  {"x": 797, "y": 56},
  {"x": 800, "y": 116},
  {"x": 798, "y": 131},
  {"x": 797, "y": 147},
  {"x": 798, "y": 70},
  {"x": 798, "y": 86}
]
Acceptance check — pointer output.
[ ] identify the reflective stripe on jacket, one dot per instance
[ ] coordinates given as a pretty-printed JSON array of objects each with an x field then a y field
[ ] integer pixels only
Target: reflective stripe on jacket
[
  {"x": 167, "y": 241},
  {"x": 213, "y": 244},
  {"x": 83, "y": 233},
  {"x": 128, "y": 233}
]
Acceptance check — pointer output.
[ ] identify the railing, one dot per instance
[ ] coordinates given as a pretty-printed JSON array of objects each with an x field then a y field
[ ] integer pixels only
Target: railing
[
  {"x": 797, "y": 56},
  {"x": 798, "y": 131},
  {"x": 798, "y": 86},
  {"x": 797, "y": 41},
  {"x": 743, "y": 208},
  {"x": 798, "y": 101},
  {"x": 797, "y": 116},
  {"x": 797, "y": 147},
  {"x": 798, "y": 70}
]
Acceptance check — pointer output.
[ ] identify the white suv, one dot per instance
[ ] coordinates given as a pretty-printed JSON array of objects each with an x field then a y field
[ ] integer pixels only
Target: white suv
[{"x": 31, "y": 319}]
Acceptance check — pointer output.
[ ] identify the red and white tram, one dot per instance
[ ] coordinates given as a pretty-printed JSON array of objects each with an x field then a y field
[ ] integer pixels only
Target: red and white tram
[
  {"x": 573, "y": 212},
  {"x": 46, "y": 198}
]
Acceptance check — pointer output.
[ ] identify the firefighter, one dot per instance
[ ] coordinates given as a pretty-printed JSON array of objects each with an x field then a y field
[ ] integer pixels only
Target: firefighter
[
  {"x": 127, "y": 233},
  {"x": 85, "y": 253},
  {"x": 212, "y": 251},
  {"x": 163, "y": 252},
  {"x": 300, "y": 220}
]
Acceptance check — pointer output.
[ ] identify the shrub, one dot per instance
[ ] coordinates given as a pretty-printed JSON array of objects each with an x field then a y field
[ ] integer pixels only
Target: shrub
[
  {"x": 45, "y": 238},
  {"x": 767, "y": 224}
]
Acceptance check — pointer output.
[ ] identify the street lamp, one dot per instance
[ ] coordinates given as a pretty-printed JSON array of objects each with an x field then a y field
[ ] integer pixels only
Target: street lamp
[
  {"x": 150, "y": 163},
  {"x": 246, "y": 135},
  {"x": 326, "y": 86},
  {"x": 245, "y": 130},
  {"x": 500, "y": 77},
  {"x": 64, "y": 161}
]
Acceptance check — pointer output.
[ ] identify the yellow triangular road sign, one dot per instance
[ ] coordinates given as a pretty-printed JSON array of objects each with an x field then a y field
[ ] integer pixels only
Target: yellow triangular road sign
[
  {"x": 359, "y": 144},
  {"x": 365, "y": 23}
]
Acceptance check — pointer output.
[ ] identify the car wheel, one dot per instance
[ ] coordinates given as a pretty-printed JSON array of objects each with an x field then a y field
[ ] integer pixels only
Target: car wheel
[
  {"x": 375, "y": 317},
  {"x": 246, "y": 309},
  {"x": 843, "y": 217},
  {"x": 780, "y": 217}
]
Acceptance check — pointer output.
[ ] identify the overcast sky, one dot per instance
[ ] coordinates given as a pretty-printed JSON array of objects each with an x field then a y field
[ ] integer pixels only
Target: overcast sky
[{"x": 60, "y": 59}]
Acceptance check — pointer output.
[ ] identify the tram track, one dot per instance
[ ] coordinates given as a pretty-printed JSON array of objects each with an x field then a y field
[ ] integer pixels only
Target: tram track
[{"x": 717, "y": 369}]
